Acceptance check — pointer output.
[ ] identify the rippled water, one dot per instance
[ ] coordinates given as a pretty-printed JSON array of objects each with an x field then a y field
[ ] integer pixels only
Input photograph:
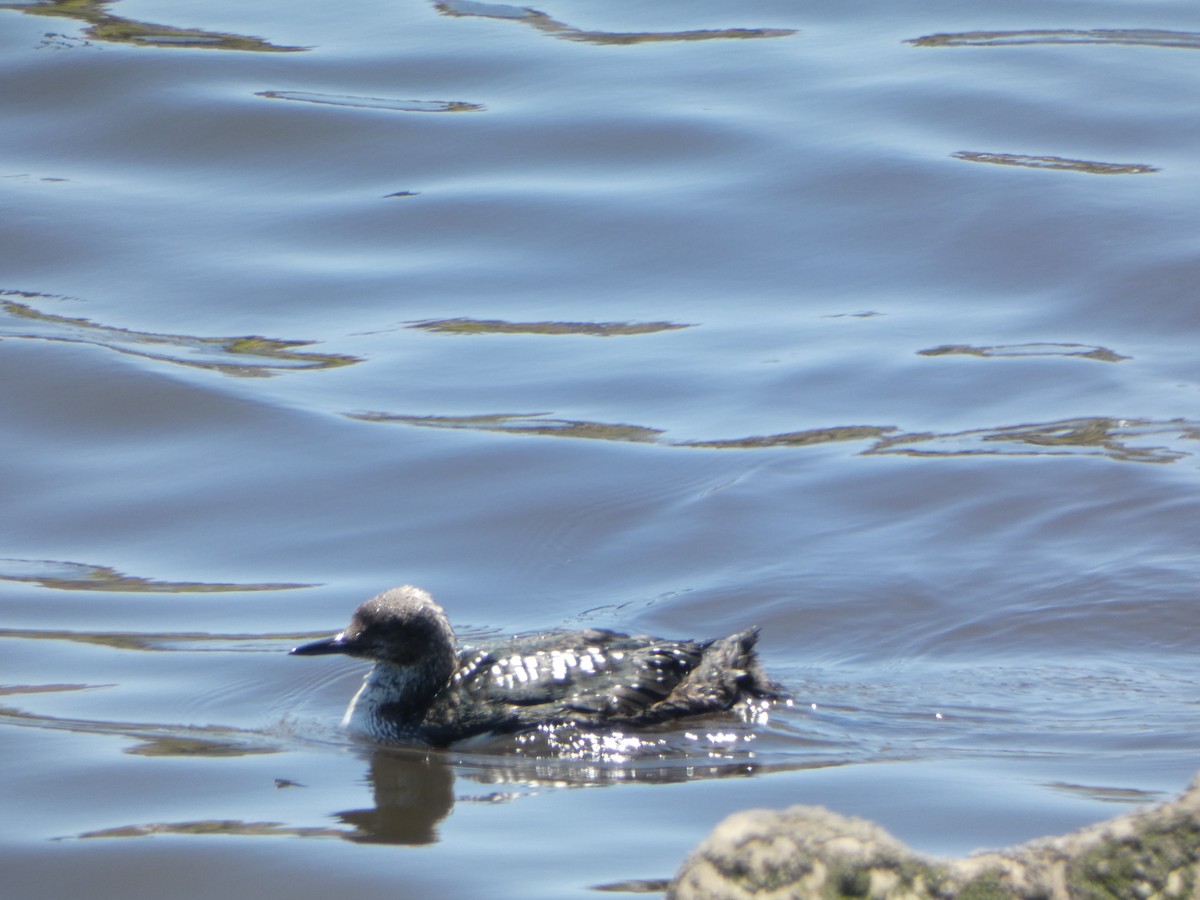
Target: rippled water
[{"x": 869, "y": 324}]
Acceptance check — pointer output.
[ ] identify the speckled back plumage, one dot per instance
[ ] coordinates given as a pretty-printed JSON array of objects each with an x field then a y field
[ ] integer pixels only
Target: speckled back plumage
[{"x": 592, "y": 677}]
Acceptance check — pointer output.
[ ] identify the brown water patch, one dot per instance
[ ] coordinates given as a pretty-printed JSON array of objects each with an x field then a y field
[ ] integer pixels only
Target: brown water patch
[
  {"x": 102, "y": 26},
  {"x": 1111, "y": 438},
  {"x": 1139, "y": 37},
  {"x": 241, "y": 356},
  {"x": 1056, "y": 162},
  {"x": 555, "y": 28},
  {"x": 72, "y": 576},
  {"x": 1082, "y": 351},
  {"x": 499, "y": 326},
  {"x": 373, "y": 102}
]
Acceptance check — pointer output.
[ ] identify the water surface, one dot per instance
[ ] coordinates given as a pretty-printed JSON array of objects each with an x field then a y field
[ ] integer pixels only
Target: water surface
[{"x": 868, "y": 324}]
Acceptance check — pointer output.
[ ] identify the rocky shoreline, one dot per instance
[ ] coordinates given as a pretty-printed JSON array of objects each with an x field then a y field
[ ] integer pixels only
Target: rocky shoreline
[{"x": 811, "y": 852}]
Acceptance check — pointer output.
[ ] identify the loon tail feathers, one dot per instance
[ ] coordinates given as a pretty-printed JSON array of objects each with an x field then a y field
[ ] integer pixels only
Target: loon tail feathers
[{"x": 728, "y": 673}]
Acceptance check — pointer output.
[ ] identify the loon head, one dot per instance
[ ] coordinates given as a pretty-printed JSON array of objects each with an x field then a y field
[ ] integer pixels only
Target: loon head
[{"x": 400, "y": 627}]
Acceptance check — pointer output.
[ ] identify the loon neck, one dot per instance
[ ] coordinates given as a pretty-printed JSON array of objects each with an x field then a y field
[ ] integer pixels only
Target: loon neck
[{"x": 392, "y": 700}]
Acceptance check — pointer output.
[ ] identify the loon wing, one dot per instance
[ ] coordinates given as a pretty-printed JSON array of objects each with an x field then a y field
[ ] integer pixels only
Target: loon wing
[{"x": 592, "y": 678}]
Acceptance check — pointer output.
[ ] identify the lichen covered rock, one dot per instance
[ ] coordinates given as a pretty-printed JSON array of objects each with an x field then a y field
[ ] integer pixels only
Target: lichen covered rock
[{"x": 810, "y": 852}]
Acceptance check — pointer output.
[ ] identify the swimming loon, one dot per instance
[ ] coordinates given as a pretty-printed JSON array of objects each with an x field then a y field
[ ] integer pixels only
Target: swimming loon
[{"x": 424, "y": 688}]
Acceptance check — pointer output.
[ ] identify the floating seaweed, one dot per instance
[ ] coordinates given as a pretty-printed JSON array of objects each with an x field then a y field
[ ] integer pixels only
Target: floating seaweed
[
  {"x": 226, "y": 827},
  {"x": 1056, "y": 162},
  {"x": 1080, "y": 351},
  {"x": 72, "y": 576},
  {"x": 243, "y": 356},
  {"x": 499, "y": 326},
  {"x": 537, "y": 423},
  {"x": 373, "y": 102},
  {"x": 154, "y": 642},
  {"x": 1138, "y": 37},
  {"x": 522, "y": 423},
  {"x": 102, "y": 26},
  {"x": 555, "y": 28},
  {"x": 1117, "y": 439},
  {"x": 1123, "y": 440},
  {"x": 796, "y": 438},
  {"x": 156, "y": 740}
]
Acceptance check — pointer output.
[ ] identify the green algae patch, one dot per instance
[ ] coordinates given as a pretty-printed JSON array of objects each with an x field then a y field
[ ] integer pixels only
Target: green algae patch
[
  {"x": 103, "y": 26},
  {"x": 1120, "y": 440},
  {"x": 193, "y": 746},
  {"x": 244, "y": 356},
  {"x": 373, "y": 102},
  {"x": 10, "y": 689},
  {"x": 546, "y": 425},
  {"x": 218, "y": 827},
  {"x": 555, "y": 28},
  {"x": 72, "y": 576},
  {"x": 1022, "y": 351},
  {"x": 1123, "y": 440},
  {"x": 500, "y": 326},
  {"x": 797, "y": 438},
  {"x": 530, "y": 423},
  {"x": 155, "y": 642},
  {"x": 1136, "y": 37},
  {"x": 1089, "y": 167},
  {"x": 157, "y": 739}
]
